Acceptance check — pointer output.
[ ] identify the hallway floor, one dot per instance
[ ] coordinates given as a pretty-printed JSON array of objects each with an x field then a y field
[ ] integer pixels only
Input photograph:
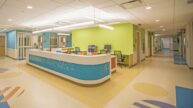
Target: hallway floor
[{"x": 151, "y": 83}]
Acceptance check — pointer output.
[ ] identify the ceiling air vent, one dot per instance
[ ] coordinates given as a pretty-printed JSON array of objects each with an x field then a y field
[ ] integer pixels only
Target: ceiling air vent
[
  {"x": 189, "y": 1},
  {"x": 131, "y": 4}
]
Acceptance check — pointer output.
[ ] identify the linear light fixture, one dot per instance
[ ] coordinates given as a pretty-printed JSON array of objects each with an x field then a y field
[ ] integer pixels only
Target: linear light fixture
[
  {"x": 106, "y": 27},
  {"x": 44, "y": 30},
  {"x": 75, "y": 25},
  {"x": 63, "y": 34},
  {"x": 67, "y": 26}
]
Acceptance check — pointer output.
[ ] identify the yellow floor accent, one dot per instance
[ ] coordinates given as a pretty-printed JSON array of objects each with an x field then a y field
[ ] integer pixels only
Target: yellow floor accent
[
  {"x": 8, "y": 75},
  {"x": 150, "y": 89},
  {"x": 96, "y": 96}
]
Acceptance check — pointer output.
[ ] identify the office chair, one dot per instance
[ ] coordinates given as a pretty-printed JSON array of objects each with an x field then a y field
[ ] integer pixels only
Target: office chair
[{"x": 120, "y": 57}]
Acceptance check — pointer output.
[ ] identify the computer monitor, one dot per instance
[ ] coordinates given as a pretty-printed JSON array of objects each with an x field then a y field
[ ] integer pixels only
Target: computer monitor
[
  {"x": 107, "y": 47},
  {"x": 92, "y": 48}
]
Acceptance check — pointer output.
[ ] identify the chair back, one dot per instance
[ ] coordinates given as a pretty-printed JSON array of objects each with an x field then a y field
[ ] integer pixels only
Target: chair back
[
  {"x": 102, "y": 51},
  {"x": 77, "y": 49},
  {"x": 118, "y": 54}
]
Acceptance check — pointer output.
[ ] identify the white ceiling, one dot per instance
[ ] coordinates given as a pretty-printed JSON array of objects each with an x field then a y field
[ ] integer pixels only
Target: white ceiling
[{"x": 50, "y": 13}]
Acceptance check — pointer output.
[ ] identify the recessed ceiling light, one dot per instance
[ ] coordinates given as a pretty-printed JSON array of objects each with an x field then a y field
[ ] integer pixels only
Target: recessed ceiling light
[
  {"x": 161, "y": 26},
  {"x": 157, "y": 20},
  {"x": 29, "y": 7},
  {"x": 10, "y": 19},
  {"x": 148, "y": 7},
  {"x": 163, "y": 29}
]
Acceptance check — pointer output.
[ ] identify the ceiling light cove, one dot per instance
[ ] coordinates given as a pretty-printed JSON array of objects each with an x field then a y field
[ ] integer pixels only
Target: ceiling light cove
[
  {"x": 75, "y": 25},
  {"x": 44, "y": 30},
  {"x": 113, "y": 23},
  {"x": 148, "y": 7},
  {"x": 106, "y": 27},
  {"x": 29, "y": 7},
  {"x": 66, "y": 27}
]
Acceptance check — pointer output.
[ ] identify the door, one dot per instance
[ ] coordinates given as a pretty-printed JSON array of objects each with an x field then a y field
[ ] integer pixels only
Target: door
[
  {"x": 138, "y": 47},
  {"x": 24, "y": 43},
  {"x": 2, "y": 46}
]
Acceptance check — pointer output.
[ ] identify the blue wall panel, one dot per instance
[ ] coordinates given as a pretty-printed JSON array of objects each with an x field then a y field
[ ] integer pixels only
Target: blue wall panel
[
  {"x": 82, "y": 72},
  {"x": 11, "y": 39},
  {"x": 46, "y": 39}
]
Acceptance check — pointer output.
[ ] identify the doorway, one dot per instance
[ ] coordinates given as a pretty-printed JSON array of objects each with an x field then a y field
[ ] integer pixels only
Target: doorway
[{"x": 2, "y": 45}]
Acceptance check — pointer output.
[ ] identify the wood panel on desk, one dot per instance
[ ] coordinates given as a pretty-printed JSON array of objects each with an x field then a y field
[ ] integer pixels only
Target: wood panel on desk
[{"x": 2, "y": 45}]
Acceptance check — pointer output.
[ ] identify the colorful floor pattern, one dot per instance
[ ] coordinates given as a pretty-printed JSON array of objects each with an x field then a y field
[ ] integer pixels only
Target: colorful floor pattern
[
  {"x": 3, "y": 104},
  {"x": 150, "y": 84},
  {"x": 155, "y": 103},
  {"x": 8, "y": 93}
]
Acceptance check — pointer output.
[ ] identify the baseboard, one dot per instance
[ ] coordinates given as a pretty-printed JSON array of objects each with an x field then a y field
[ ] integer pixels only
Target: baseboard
[
  {"x": 189, "y": 67},
  {"x": 11, "y": 57}
]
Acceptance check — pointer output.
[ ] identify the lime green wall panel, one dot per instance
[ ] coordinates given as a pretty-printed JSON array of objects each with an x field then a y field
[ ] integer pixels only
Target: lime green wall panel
[{"x": 121, "y": 38}]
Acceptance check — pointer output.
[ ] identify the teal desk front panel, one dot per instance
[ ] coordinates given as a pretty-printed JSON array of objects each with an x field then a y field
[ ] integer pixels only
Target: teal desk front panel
[{"x": 79, "y": 71}]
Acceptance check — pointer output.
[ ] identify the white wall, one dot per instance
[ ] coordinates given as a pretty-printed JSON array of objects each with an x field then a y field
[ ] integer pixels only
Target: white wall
[
  {"x": 157, "y": 44},
  {"x": 147, "y": 44},
  {"x": 153, "y": 45},
  {"x": 189, "y": 44},
  {"x": 171, "y": 43},
  {"x": 166, "y": 42}
]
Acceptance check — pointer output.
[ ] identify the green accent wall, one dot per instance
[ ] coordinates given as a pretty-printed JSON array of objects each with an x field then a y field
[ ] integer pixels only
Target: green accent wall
[{"x": 121, "y": 38}]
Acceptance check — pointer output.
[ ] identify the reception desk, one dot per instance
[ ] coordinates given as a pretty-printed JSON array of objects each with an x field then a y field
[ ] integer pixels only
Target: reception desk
[{"x": 83, "y": 69}]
